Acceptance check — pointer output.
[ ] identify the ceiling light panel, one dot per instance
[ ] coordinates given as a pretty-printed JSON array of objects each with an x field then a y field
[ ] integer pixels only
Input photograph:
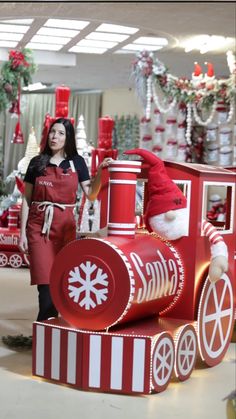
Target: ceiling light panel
[
  {"x": 46, "y": 47},
  {"x": 57, "y": 32},
  {"x": 103, "y": 36},
  {"x": 139, "y": 47},
  {"x": 11, "y": 36},
  {"x": 105, "y": 27},
  {"x": 8, "y": 44},
  {"x": 13, "y": 28},
  {"x": 65, "y": 23},
  {"x": 148, "y": 40},
  {"x": 87, "y": 50},
  {"x": 18, "y": 21},
  {"x": 50, "y": 39},
  {"x": 96, "y": 44}
]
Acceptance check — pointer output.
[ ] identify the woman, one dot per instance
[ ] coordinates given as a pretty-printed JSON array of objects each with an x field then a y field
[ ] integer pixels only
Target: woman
[{"x": 47, "y": 220}]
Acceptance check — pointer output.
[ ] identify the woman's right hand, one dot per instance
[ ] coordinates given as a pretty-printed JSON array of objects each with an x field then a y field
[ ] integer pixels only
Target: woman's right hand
[{"x": 23, "y": 243}]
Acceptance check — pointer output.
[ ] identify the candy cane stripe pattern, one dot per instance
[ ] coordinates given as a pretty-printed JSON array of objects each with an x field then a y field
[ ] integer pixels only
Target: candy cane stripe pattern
[
  {"x": 88, "y": 360},
  {"x": 211, "y": 232}
]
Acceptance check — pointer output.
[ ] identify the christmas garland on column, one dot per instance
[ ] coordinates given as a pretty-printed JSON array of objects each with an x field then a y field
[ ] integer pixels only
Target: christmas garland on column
[
  {"x": 15, "y": 72},
  {"x": 201, "y": 93}
]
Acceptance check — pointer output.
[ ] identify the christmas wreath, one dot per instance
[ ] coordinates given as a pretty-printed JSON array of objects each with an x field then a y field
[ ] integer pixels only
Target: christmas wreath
[{"x": 15, "y": 72}]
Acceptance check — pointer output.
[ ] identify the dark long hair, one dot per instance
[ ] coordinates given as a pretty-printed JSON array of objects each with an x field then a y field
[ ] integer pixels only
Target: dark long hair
[{"x": 42, "y": 160}]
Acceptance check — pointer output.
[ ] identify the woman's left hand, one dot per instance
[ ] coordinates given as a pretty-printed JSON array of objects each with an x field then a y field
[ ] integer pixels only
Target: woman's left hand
[{"x": 106, "y": 162}]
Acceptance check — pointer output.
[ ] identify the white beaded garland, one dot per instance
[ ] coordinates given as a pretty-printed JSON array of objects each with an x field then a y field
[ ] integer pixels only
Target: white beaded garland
[
  {"x": 157, "y": 102},
  {"x": 209, "y": 119},
  {"x": 149, "y": 96},
  {"x": 189, "y": 124}
]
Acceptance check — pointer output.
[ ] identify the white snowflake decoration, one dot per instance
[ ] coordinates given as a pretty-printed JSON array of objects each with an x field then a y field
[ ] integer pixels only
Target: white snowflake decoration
[{"x": 89, "y": 276}]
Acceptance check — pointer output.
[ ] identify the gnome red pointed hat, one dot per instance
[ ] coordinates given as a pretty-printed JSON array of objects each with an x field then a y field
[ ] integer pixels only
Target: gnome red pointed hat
[{"x": 164, "y": 194}]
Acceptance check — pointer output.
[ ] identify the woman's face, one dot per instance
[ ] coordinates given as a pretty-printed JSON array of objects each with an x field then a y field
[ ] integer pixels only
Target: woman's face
[{"x": 57, "y": 138}]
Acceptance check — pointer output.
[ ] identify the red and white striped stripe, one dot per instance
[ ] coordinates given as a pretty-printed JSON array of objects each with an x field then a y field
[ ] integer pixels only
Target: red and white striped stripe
[
  {"x": 116, "y": 363},
  {"x": 211, "y": 232},
  {"x": 57, "y": 354},
  {"x": 89, "y": 360}
]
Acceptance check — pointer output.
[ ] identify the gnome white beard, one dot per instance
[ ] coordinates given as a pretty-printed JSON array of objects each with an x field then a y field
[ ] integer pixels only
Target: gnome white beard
[{"x": 170, "y": 228}]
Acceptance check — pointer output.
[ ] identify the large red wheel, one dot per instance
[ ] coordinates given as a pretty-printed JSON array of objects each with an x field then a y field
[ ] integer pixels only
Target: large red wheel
[
  {"x": 3, "y": 260},
  {"x": 215, "y": 320},
  {"x": 163, "y": 356},
  {"x": 15, "y": 260},
  {"x": 186, "y": 351}
]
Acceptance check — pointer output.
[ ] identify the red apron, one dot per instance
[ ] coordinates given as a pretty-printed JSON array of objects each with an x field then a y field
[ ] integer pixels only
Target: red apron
[{"x": 51, "y": 222}]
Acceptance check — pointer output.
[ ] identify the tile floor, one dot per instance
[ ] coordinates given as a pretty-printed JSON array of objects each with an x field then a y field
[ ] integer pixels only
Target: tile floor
[{"x": 23, "y": 396}]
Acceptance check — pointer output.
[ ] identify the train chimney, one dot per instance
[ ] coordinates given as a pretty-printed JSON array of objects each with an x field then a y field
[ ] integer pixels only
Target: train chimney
[{"x": 122, "y": 197}]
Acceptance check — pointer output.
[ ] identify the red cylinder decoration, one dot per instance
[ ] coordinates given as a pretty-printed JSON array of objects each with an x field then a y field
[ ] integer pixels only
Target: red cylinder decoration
[
  {"x": 105, "y": 127},
  {"x": 62, "y": 101},
  {"x": 122, "y": 197},
  {"x": 13, "y": 216}
]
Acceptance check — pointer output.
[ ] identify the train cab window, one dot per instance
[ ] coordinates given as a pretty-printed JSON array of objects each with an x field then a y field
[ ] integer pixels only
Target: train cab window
[
  {"x": 142, "y": 196},
  {"x": 218, "y": 205},
  {"x": 139, "y": 203}
]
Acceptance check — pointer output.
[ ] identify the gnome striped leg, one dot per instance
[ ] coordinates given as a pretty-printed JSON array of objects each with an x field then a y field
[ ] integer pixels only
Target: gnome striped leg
[{"x": 219, "y": 251}]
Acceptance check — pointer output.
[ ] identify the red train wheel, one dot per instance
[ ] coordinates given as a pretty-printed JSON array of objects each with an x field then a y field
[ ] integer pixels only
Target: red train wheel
[
  {"x": 163, "y": 355},
  {"x": 215, "y": 320},
  {"x": 15, "y": 260},
  {"x": 3, "y": 260},
  {"x": 186, "y": 351}
]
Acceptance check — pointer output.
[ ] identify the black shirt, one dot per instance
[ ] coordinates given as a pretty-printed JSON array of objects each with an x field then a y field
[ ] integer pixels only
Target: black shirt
[{"x": 79, "y": 163}]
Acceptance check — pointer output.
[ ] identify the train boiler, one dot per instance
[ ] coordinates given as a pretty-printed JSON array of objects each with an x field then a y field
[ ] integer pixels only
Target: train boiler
[{"x": 136, "y": 309}]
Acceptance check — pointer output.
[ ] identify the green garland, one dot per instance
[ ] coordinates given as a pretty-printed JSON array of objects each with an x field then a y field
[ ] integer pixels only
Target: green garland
[
  {"x": 17, "y": 341},
  {"x": 17, "y": 70},
  {"x": 201, "y": 92}
]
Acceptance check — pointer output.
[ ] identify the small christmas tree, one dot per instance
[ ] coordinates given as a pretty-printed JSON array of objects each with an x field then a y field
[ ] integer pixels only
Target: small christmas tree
[
  {"x": 32, "y": 150},
  {"x": 81, "y": 142}
]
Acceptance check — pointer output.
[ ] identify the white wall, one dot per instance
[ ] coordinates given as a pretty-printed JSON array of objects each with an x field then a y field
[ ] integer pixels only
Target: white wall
[{"x": 120, "y": 102}]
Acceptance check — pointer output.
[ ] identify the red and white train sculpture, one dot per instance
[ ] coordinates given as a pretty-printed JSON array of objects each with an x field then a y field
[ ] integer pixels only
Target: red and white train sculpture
[
  {"x": 136, "y": 309},
  {"x": 10, "y": 254}
]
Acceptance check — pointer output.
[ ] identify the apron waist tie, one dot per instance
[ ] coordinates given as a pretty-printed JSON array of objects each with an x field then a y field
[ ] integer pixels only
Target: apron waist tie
[{"x": 48, "y": 207}]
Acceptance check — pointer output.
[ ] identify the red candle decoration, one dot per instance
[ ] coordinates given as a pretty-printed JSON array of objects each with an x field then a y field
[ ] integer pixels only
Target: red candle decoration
[
  {"x": 62, "y": 100},
  {"x": 105, "y": 126},
  {"x": 210, "y": 69},
  {"x": 197, "y": 69}
]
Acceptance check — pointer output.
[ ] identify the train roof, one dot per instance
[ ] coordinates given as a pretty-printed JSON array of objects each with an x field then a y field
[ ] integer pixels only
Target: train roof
[{"x": 198, "y": 169}]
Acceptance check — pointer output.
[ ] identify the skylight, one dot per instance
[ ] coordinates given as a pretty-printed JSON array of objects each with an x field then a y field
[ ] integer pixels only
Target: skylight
[
  {"x": 11, "y": 36},
  {"x": 65, "y": 23},
  {"x": 57, "y": 32},
  {"x": 106, "y": 27},
  {"x": 70, "y": 35},
  {"x": 13, "y": 28},
  {"x": 18, "y": 21},
  {"x": 47, "y": 47},
  {"x": 96, "y": 44},
  {"x": 8, "y": 44},
  {"x": 103, "y": 36},
  {"x": 50, "y": 39},
  {"x": 87, "y": 50}
]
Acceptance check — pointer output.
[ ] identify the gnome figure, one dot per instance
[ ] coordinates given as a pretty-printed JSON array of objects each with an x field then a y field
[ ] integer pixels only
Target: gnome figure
[{"x": 166, "y": 213}]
